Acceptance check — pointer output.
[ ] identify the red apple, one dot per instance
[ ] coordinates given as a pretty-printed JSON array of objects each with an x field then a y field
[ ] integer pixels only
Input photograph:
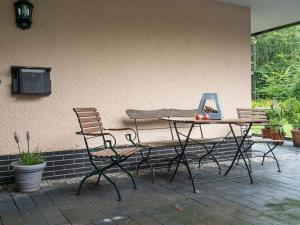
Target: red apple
[
  {"x": 206, "y": 116},
  {"x": 198, "y": 116}
]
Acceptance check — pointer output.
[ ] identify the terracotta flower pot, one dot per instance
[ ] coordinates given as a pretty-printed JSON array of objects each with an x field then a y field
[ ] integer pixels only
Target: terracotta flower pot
[
  {"x": 267, "y": 132},
  {"x": 296, "y": 137},
  {"x": 277, "y": 135},
  {"x": 264, "y": 133}
]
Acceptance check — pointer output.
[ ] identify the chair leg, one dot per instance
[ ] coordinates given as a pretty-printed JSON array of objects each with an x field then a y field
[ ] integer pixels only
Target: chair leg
[
  {"x": 248, "y": 168},
  {"x": 115, "y": 186},
  {"x": 84, "y": 179},
  {"x": 144, "y": 159},
  {"x": 171, "y": 162},
  {"x": 125, "y": 171},
  {"x": 178, "y": 163},
  {"x": 152, "y": 171},
  {"x": 238, "y": 160},
  {"x": 218, "y": 164},
  {"x": 98, "y": 180},
  {"x": 249, "y": 162},
  {"x": 274, "y": 156},
  {"x": 278, "y": 167}
]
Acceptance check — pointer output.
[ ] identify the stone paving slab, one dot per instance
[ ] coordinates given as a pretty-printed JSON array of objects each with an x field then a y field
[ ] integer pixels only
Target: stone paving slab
[{"x": 274, "y": 198}]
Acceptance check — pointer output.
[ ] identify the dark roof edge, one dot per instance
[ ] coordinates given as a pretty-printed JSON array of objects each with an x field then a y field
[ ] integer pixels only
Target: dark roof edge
[{"x": 276, "y": 28}]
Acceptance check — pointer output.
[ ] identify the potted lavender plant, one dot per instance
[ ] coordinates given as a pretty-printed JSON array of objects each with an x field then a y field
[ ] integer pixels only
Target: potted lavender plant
[{"x": 28, "y": 170}]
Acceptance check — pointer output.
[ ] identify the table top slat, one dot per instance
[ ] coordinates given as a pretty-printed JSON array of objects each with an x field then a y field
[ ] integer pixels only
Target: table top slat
[{"x": 223, "y": 121}]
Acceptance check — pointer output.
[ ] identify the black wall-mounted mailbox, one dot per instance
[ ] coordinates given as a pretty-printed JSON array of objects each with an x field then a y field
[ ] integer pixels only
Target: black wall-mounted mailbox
[{"x": 31, "y": 80}]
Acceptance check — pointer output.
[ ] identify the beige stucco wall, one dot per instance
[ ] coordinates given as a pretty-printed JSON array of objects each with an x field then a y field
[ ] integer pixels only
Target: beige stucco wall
[{"x": 120, "y": 54}]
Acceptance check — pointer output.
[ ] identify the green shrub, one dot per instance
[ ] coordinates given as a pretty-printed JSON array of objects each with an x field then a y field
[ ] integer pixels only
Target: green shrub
[
  {"x": 291, "y": 111},
  {"x": 275, "y": 118}
]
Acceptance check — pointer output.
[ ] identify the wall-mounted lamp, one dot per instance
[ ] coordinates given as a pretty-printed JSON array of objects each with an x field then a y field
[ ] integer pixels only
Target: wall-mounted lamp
[{"x": 23, "y": 9}]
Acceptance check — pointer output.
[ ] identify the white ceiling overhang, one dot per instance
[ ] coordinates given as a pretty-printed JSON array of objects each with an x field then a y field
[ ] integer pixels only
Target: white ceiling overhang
[{"x": 270, "y": 14}]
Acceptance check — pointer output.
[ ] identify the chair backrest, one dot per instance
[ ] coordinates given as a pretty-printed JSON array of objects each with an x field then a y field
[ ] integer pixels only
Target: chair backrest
[
  {"x": 89, "y": 120},
  {"x": 248, "y": 113}
]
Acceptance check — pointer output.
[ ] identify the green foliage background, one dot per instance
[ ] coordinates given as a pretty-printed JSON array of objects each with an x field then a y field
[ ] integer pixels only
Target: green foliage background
[{"x": 276, "y": 66}]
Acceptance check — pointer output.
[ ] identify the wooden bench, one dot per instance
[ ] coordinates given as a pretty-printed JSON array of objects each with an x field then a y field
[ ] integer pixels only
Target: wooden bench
[
  {"x": 272, "y": 144},
  {"x": 153, "y": 116}
]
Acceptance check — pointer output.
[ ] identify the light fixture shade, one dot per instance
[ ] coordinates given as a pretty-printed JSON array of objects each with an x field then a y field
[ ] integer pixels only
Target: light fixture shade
[{"x": 23, "y": 10}]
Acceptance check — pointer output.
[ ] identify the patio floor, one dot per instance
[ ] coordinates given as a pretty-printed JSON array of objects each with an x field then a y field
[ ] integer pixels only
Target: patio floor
[{"x": 274, "y": 198}]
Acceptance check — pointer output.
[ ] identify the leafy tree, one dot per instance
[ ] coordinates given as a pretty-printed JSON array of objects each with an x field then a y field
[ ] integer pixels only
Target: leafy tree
[{"x": 277, "y": 64}]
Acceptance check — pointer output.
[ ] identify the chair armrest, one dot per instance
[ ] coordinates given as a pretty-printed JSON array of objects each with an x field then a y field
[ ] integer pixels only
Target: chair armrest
[
  {"x": 128, "y": 136},
  {"x": 93, "y": 134},
  {"x": 119, "y": 129},
  {"x": 99, "y": 134}
]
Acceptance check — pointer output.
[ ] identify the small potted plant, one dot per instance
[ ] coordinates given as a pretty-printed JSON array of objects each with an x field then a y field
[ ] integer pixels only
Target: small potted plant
[
  {"x": 274, "y": 128},
  {"x": 28, "y": 170}
]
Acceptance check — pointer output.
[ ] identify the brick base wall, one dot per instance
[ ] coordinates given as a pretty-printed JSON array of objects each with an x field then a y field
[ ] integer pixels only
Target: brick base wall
[{"x": 74, "y": 163}]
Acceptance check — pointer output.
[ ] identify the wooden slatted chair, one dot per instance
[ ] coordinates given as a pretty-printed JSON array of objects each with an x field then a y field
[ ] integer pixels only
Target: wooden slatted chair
[
  {"x": 146, "y": 115},
  {"x": 92, "y": 128},
  {"x": 271, "y": 144}
]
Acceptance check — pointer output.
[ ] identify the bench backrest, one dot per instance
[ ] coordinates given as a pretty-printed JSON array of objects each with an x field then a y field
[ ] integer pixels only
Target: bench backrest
[
  {"x": 89, "y": 120},
  {"x": 248, "y": 113},
  {"x": 183, "y": 112},
  {"x": 155, "y": 115},
  {"x": 147, "y": 114}
]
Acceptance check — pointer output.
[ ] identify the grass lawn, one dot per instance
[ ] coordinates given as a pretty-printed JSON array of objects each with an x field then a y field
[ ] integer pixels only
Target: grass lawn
[{"x": 287, "y": 129}]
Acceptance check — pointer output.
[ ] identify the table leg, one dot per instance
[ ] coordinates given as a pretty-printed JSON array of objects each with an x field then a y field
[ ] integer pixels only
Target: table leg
[
  {"x": 239, "y": 151},
  {"x": 182, "y": 157}
]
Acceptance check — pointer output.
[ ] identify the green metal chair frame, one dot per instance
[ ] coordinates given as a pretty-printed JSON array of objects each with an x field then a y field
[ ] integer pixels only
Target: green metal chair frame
[{"x": 91, "y": 127}]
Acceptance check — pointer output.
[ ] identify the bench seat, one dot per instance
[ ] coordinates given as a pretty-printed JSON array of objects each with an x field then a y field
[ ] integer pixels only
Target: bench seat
[
  {"x": 174, "y": 143},
  {"x": 107, "y": 153},
  {"x": 265, "y": 140}
]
